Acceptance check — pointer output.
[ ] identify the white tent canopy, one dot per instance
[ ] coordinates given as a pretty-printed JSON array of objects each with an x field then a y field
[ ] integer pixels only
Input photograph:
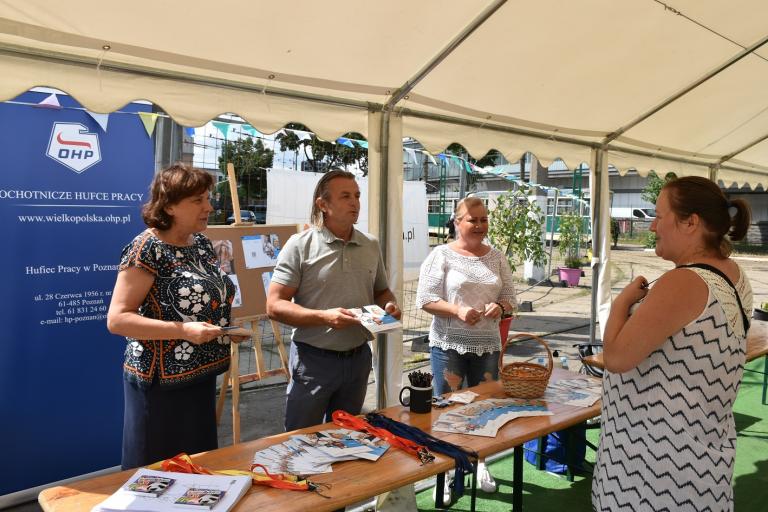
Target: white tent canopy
[
  {"x": 568, "y": 71},
  {"x": 676, "y": 86}
]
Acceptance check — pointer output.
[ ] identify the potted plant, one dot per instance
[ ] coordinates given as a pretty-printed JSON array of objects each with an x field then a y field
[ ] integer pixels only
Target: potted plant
[
  {"x": 571, "y": 230},
  {"x": 515, "y": 227},
  {"x": 615, "y": 232},
  {"x": 761, "y": 313}
]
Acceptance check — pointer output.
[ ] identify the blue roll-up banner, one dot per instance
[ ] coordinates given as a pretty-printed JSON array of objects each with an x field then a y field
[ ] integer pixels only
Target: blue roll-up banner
[{"x": 70, "y": 199}]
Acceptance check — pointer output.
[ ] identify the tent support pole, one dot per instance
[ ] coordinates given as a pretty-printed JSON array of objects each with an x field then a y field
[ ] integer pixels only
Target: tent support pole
[
  {"x": 382, "y": 364},
  {"x": 713, "y": 172},
  {"x": 597, "y": 263},
  {"x": 729, "y": 156}
]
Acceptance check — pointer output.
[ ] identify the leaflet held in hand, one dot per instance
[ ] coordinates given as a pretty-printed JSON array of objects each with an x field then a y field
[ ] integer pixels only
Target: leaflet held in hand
[{"x": 376, "y": 320}]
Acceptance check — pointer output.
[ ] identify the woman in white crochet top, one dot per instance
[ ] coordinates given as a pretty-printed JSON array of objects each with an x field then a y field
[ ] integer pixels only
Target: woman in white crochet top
[{"x": 467, "y": 286}]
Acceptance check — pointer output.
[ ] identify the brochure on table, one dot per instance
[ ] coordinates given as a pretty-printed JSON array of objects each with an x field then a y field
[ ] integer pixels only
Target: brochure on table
[
  {"x": 486, "y": 417},
  {"x": 311, "y": 454},
  {"x": 167, "y": 491},
  {"x": 579, "y": 392}
]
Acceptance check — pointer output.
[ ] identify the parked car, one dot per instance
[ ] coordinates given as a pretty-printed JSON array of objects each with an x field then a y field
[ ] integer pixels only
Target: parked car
[
  {"x": 644, "y": 213},
  {"x": 260, "y": 211},
  {"x": 245, "y": 216}
]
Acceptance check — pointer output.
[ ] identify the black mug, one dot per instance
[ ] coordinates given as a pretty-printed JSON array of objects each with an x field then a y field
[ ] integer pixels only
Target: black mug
[{"x": 420, "y": 399}]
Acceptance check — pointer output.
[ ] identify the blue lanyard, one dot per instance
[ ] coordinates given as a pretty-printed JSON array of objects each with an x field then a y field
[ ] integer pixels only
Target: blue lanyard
[{"x": 464, "y": 459}]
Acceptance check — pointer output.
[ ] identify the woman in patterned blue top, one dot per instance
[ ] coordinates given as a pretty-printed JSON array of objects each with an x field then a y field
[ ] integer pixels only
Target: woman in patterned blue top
[{"x": 171, "y": 301}]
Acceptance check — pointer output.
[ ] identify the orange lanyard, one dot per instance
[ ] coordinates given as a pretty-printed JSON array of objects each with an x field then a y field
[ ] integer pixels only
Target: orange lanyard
[
  {"x": 346, "y": 420},
  {"x": 182, "y": 463}
]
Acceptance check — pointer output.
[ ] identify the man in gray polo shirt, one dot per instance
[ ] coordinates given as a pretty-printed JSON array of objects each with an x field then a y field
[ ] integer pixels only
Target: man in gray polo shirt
[{"x": 320, "y": 273}]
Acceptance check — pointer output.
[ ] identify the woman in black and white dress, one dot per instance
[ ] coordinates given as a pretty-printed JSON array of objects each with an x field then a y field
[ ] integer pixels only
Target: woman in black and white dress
[{"x": 674, "y": 356}]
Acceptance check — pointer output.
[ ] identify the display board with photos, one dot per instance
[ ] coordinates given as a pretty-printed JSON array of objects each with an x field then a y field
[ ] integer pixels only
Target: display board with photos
[{"x": 248, "y": 254}]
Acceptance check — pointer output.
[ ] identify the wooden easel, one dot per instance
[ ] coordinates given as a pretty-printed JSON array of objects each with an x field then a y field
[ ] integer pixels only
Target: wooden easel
[
  {"x": 232, "y": 378},
  {"x": 262, "y": 372}
]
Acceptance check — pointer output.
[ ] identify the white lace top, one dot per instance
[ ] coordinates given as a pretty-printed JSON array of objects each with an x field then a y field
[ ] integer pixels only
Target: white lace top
[
  {"x": 466, "y": 281},
  {"x": 724, "y": 294}
]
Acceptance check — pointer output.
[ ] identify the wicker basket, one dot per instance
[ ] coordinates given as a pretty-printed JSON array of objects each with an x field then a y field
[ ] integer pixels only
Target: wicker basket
[{"x": 524, "y": 380}]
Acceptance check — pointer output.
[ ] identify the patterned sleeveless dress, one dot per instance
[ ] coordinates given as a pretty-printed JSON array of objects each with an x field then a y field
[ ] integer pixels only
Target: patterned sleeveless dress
[{"x": 668, "y": 433}]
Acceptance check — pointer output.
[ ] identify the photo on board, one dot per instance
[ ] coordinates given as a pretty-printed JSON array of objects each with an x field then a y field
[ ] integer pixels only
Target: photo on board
[
  {"x": 260, "y": 250},
  {"x": 225, "y": 255}
]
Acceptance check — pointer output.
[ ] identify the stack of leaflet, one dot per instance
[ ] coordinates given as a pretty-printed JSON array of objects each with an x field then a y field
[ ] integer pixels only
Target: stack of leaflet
[
  {"x": 311, "y": 454},
  {"x": 578, "y": 392},
  {"x": 163, "y": 491}
]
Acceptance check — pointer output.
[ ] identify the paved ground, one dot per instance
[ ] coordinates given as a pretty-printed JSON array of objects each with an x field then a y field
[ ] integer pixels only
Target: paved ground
[{"x": 560, "y": 315}]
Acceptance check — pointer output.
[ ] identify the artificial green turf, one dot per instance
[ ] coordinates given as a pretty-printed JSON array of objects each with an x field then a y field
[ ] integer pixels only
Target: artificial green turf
[{"x": 543, "y": 492}]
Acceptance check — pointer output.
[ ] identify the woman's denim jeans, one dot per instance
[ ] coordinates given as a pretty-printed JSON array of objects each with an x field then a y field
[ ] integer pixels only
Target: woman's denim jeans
[{"x": 450, "y": 369}]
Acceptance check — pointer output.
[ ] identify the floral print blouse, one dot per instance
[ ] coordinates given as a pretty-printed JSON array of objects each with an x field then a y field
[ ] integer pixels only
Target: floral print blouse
[{"x": 188, "y": 287}]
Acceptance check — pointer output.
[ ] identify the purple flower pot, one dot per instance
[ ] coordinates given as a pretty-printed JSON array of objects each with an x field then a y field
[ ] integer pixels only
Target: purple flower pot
[{"x": 569, "y": 275}]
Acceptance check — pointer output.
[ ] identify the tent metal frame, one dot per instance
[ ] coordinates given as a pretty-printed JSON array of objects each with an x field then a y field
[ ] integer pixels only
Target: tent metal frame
[{"x": 387, "y": 109}]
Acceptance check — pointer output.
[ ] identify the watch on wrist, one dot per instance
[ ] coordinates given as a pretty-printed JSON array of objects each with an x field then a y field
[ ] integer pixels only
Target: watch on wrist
[{"x": 504, "y": 313}]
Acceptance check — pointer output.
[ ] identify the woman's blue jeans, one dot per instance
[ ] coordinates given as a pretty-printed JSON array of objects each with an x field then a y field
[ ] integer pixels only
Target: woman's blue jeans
[{"x": 451, "y": 369}]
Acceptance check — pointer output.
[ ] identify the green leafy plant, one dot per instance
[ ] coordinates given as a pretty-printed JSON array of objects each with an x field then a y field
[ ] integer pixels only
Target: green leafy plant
[
  {"x": 322, "y": 154},
  {"x": 651, "y": 194},
  {"x": 615, "y": 232},
  {"x": 571, "y": 238},
  {"x": 573, "y": 262},
  {"x": 515, "y": 227},
  {"x": 764, "y": 306}
]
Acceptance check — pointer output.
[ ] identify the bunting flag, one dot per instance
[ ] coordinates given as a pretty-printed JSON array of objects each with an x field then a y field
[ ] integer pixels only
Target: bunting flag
[
  {"x": 362, "y": 143},
  {"x": 149, "y": 119},
  {"x": 51, "y": 101},
  {"x": 302, "y": 135},
  {"x": 250, "y": 129},
  {"x": 189, "y": 132},
  {"x": 101, "y": 119},
  {"x": 345, "y": 142},
  {"x": 222, "y": 127}
]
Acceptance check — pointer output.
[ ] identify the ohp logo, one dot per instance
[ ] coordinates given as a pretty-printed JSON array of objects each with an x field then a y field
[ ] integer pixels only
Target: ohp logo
[{"x": 73, "y": 146}]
